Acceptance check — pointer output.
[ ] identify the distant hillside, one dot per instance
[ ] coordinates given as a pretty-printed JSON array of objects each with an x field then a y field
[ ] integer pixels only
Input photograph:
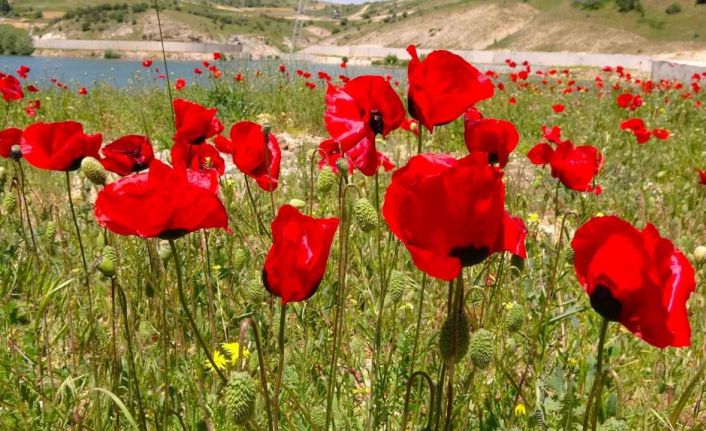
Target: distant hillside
[{"x": 265, "y": 26}]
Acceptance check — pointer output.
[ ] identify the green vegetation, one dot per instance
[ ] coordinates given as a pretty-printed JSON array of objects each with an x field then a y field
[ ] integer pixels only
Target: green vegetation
[{"x": 15, "y": 41}]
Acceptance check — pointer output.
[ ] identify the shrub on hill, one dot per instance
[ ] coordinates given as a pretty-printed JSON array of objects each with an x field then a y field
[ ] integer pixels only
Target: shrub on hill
[{"x": 15, "y": 41}]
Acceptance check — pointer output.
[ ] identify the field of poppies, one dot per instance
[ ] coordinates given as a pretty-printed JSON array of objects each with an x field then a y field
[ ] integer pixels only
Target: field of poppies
[{"x": 286, "y": 249}]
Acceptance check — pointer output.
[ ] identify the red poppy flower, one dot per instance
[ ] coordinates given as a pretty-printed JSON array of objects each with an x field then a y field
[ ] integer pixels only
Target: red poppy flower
[
  {"x": 282, "y": 68},
  {"x": 356, "y": 156},
  {"x": 239, "y": 77},
  {"x": 637, "y": 127},
  {"x": 512, "y": 101},
  {"x": 296, "y": 262},
  {"x": 628, "y": 101},
  {"x": 194, "y": 123},
  {"x": 575, "y": 167},
  {"x": 410, "y": 126},
  {"x": 58, "y": 146},
  {"x": 660, "y": 133},
  {"x": 146, "y": 63},
  {"x": 310, "y": 85},
  {"x": 197, "y": 71},
  {"x": 83, "y": 91},
  {"x": 443, "y": 87},
  {"x": 497, "y": 138},
  {"x": 451, "y": 213},
  {"x": 159, "y": 203},
  {"x": 23, "y": 71},
  {"x": 558, "y": 108},
  {"x": 32, "y": 88},
  {"x": 197, "y": 157},
  {"x": 180, "y": 84},
  {"x": 32, "y": 107},
  {"x": 253, "y": 156},
  {"x": 10, "y": 88},
  {"x": 636, "y": 278},
  {"x": 217, "y": 56},
  {"x": 9, "y": 138},
  {"x": 132, "y": 153},
  {"x": 363, "y": 108}
]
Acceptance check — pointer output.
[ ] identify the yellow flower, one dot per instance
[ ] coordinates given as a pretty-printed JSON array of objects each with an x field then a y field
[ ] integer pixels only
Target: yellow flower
[
  {"x": 520, "y": 410},
  {"x": 233, "y": 350},
  {"x": 219, "y": 359},
  {"x": 533, "y": 218}
]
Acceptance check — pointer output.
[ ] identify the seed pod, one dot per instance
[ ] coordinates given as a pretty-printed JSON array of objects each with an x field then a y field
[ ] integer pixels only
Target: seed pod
[
  {"x": 240, "y": 259},
  {"x": 481, "y": 348},
  {"x": 398, "y": 282},
  {"x": 93, "y": 170},
  {"x": 446, "y": 338},
  {"x": 514, "y": 317},
  {"x": 365, "y": 215},
  {"x": 318, "y": 417},
  {"x": 256, "y": 293},
  {"x": 240, "y": 394},
  {"x": 109, "y": 260},
  {"x": 165, "y": 251},
  {"x": 343, "y": 166},
  {"x": 297, "y": 203},
  {"x": 9, "y": 202},
  {"x": 700, "y": 254},
  {"x": 325, "y": 180},
  {"x": 50, "y": 231}
]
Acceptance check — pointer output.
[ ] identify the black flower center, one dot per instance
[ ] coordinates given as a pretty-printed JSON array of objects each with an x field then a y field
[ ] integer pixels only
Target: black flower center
[
  {"x": 376, "y": 122},
  {"x": 605, "y": 304},
  {"x": 471, "y": 255},
  {"x": 493, "y": 158},
  {"x": 173, "y": 233}
]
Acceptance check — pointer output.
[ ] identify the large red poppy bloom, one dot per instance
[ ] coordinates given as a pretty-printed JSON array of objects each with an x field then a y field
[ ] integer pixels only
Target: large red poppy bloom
[
  {"x": 58, "y": 146},
  {"x": 356, "y": 113},
  {"x": 451, "y": 213},
  {"x": 194, "y": 123},
  {"x": 443, "y": 87},
  {"x": 162, "y": 202},
  {"x": 574, "y": 166},
  {"x": 253, "y": 156},
  {"x": 10, "y": 88},
  {"x": 131, "y": 153},
  {"x": 9, "y": 138},
  {"x": 497, "y": 138},
  {"x": 636, "y": 278},
  {"x": 202, "y": 157},
  {"x": 296, "y": 262}
]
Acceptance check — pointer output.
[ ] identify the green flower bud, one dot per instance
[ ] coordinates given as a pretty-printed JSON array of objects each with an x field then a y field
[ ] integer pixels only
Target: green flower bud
[
  {"x": 240, "y": 395},
  {"x": 165, "y": 251},
  {"x": 297, "y": 203},
  {"x": 481, "y": 348},
  {"x": 240, "y": 259},
  {"x": 446, "y": 349},
  {"x": 256, "y": 293},
  {"x": 514, "y": 317},
  {"x": 325, "y": 180},
  {"x": 343, "y": 166},
  {"x": 108, "y": 262},
  {"x": 365, "y": 215},
  {"x": 398, "y": 282},
  {"x": 318, "y": 417},
  {"x": 700, "y": 254},
  {"x": 9, "y": 202},
  {"x": 93, "y": 170},
  {"x": 50, "y": 231}
]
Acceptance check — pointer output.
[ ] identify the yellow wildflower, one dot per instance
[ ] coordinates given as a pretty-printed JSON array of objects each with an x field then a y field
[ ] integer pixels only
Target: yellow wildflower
[
  {"x": 219, "y": 359},
  {"x": 233, "y": 350},
  {"x": 520, "y": 410},
  {"x": 533, "y": 218}
]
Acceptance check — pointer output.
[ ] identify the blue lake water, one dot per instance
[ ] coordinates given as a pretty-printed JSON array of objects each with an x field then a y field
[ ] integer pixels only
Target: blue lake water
[{"x": 88, "y": 72}]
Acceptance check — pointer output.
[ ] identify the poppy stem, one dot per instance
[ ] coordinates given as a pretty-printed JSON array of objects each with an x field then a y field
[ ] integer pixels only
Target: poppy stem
[
  {"x": 454, "y": 312},
  {"x": 80, "y": 245},
  {"x": 263, "y": 371},
  {"x": 185, "y": 307},
  {"x": 419, "y": 139},
  {"x": 408, "y": 394},
  {"x": 166, "y": 67},
  {"x": 260, "y": 224},
  {"x": 280, "y": 367},
  {"x": 597, "y": 386},
  {"x": 26, "y": 205}
]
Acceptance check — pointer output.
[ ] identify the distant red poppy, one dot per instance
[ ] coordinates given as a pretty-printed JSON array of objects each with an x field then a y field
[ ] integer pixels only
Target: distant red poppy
[
  {"x": 9, "y": 138},
  {"x": 637, "y": 127},
  {"x": 217, "y": 56},
  {"x": 58, "y": 146},
  {"x": 451, "y": 213},
  {"x": 23, "y": 71},
  {"x": 32, "y": 107},
  {"x": 282, "y": 68},
  {"x": 253, "y": 156},
  {"x": 32, "y": 88},
  {"x": 83, "y": 91},
  {"x": 497, "y": 138},
  {"x": 443, "y": 87},
  {"x": 131, "y": 153},
  {"x": 194, "y": 123},
  {"x": 660, "y": 133},
  {"x": 558, "y": 108},
  {"x": 147, "y": 63},
  {"x": 197, "y": 157},
  {"x": 159, "y": 203},
  {"x": 197, "y": 71},
  {"x": 10, "y": 88},
  {"x": 180, "y": 84},
  {"x": 310, "y": 85},
  {"x": 702, "y": 174},
  {"x": 629, "y": 101},
  {"x": 296, "y": 262},
  {"x": 575, "y": 166},
  {"x": 635, "y": 277},
  {"x": 512, "y": 101},
  {"x": 357, "y": 112},
  {"x": 330, "y": 152},
  {"x": 239, "y": 77}
]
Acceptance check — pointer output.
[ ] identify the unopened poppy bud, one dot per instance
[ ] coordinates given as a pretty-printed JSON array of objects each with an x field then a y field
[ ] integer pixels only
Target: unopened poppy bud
[
  {"x": 109, "y": 260},
  {"x": 700, "y": 254},
  {"x": 514, "y": 317},
  {"x": 93, "y": 170},
  {"x": 398, "y": 283},
  {"x": 240, "y": 259},
  {"x": 266, "y": 129},
  {"x": 413, "y": 126},
  {"x": 481, "y": 348},
  {"x": 16, "y": 152},
  {"x": 165, "y": 251},
  {"x": 240, "y": 395},
  {"x": 297, "y": 203},
  {"x": 365, "y": 215},
  {"x": 325, "y": 180},
  {"x": 9, "y": 202},
  {"x": 446, "y": 348},
  {"x": 256, "y": 292},
  {"x": 343, "y": 166},
  {"x": 318, "y": 417},
  {"x": 50, "y": 231}
]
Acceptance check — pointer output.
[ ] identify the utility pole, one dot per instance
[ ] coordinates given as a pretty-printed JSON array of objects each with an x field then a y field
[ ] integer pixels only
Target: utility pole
[{"x": 298, "y": 24}]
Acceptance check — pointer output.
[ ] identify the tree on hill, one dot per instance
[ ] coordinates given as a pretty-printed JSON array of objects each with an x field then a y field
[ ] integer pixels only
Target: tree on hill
[{"x": 5, "y": 7}]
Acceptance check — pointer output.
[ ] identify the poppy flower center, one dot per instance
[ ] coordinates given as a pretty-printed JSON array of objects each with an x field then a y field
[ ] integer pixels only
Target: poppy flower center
[
  {"x": 493, "y": 158},
  {"x": 376, "y": 122},
  {"x": 173, "y": 233},
  {"x": 605, "y": 304},
  {"x": 471, "y": 255}
]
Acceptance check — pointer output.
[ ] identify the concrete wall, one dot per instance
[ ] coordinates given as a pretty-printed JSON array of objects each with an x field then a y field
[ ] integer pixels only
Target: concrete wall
[
  {"x": 125, "y": 45},
  {"x": 679, "y": 70}
]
